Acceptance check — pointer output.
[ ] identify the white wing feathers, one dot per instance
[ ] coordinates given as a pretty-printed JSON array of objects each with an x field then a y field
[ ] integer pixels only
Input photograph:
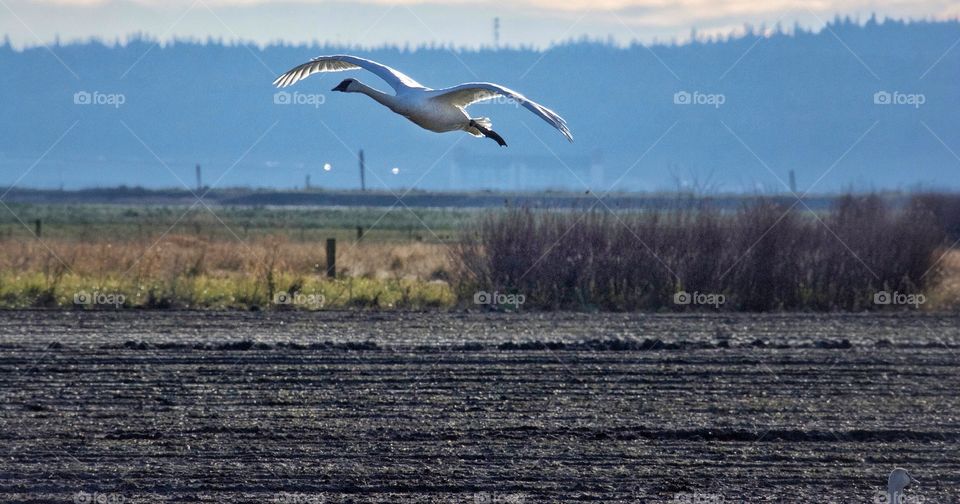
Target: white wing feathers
[
  {"x": 461, "y": 96},
  {"x": 467, "y": 94},
  {"x": 339, "y": 63}
]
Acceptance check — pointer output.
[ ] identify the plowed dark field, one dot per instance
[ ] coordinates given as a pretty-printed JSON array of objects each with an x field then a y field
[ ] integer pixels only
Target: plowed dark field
[{"x": 333, "y": 407}]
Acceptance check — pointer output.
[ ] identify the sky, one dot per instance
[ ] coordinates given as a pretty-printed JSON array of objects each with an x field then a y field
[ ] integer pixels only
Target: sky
[{"x": 461, "y": 23}]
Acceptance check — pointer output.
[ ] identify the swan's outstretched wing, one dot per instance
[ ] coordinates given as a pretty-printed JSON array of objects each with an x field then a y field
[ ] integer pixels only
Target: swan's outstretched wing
[
  {"x": 338, "y": 63},
  {"x": 467, "y": 94}
]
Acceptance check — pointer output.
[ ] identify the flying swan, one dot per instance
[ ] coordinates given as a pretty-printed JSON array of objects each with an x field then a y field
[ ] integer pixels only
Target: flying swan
[{"x": 438, "y": 110}]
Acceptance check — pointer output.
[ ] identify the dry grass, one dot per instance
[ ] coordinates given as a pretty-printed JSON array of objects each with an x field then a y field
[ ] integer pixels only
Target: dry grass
[
  {"x": 191, "y": 256},
  {"x": 186, "y": 270},
  {"x": 945, "y": 294}
]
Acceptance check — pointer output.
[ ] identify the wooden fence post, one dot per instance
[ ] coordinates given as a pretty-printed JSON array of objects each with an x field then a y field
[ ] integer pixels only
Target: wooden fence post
[{"x": 331, "y": 257}]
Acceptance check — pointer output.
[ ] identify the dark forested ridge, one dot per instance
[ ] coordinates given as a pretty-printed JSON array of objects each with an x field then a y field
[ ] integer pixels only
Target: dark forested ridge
[{"x": 734, "y": 115}]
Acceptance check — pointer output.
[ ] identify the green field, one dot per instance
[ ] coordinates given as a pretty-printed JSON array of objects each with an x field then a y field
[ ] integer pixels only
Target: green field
[{"x": 94, "y": 222}]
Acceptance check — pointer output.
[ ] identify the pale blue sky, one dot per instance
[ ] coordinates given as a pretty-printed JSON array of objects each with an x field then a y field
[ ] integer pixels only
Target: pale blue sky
[{"x": 463, "y": 23}]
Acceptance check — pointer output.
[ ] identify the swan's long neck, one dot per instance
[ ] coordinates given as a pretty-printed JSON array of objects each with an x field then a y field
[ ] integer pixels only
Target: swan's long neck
[{"x": 382, "y": 98}]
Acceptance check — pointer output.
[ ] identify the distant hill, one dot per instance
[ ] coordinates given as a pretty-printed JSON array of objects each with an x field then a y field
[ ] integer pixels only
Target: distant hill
[{"x": 870, "y": 106}]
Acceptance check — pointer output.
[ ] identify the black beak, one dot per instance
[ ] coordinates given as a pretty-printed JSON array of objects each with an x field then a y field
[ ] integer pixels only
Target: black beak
[{"x": 341, "y": 87}]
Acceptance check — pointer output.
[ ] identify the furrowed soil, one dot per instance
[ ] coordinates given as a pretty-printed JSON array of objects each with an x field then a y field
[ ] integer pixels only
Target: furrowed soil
[{"x": 291, "y": 407}]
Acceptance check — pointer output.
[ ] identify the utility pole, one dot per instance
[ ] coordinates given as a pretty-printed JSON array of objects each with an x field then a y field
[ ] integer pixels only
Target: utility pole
[
  {"x": 363, "y": 180},
  {"x": 793, "y": 182},
  {"x": 306, "y": 183},
  {"x": 199, "y": 179},
  {"x": 496, "y": 32}
]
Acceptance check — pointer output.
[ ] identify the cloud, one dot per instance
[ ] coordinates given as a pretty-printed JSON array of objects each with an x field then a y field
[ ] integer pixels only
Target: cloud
[
  {"x": 716, "y": 8},
  {"x": 659, "y": 13},
  {"x": 538, "y": 22}
]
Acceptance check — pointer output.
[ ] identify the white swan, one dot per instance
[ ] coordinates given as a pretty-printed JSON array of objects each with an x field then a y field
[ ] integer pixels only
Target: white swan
[
  {"x": 438, "y": 110},
  {"x": 898, "y": 480}
]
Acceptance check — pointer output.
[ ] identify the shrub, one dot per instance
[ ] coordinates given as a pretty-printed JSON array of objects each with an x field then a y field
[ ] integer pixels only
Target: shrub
[{"x": 764, "y": 256}]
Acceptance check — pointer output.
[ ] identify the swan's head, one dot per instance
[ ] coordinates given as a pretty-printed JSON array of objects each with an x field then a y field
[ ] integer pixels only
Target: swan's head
[
  {"x": 898, "y": 480},
  {"x": 347, "y": 86}
]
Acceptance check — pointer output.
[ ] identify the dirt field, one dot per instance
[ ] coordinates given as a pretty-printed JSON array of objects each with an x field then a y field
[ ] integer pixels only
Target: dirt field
[{"x": 475, "y": 408}]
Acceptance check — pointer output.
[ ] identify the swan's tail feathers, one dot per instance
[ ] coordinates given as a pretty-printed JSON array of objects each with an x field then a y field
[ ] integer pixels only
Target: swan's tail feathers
[
  {"x": 480, "y": 126},
  {"x": 484, "y": 122}
]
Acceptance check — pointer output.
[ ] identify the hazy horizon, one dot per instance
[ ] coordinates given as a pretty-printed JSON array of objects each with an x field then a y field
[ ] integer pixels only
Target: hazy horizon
[{"x": 692, "y": 36}]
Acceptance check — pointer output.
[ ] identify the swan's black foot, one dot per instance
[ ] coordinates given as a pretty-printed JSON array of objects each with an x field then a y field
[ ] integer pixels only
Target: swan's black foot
[
  {"x": 494, "y": 136},
  {"x": 489, "y": 133}
]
